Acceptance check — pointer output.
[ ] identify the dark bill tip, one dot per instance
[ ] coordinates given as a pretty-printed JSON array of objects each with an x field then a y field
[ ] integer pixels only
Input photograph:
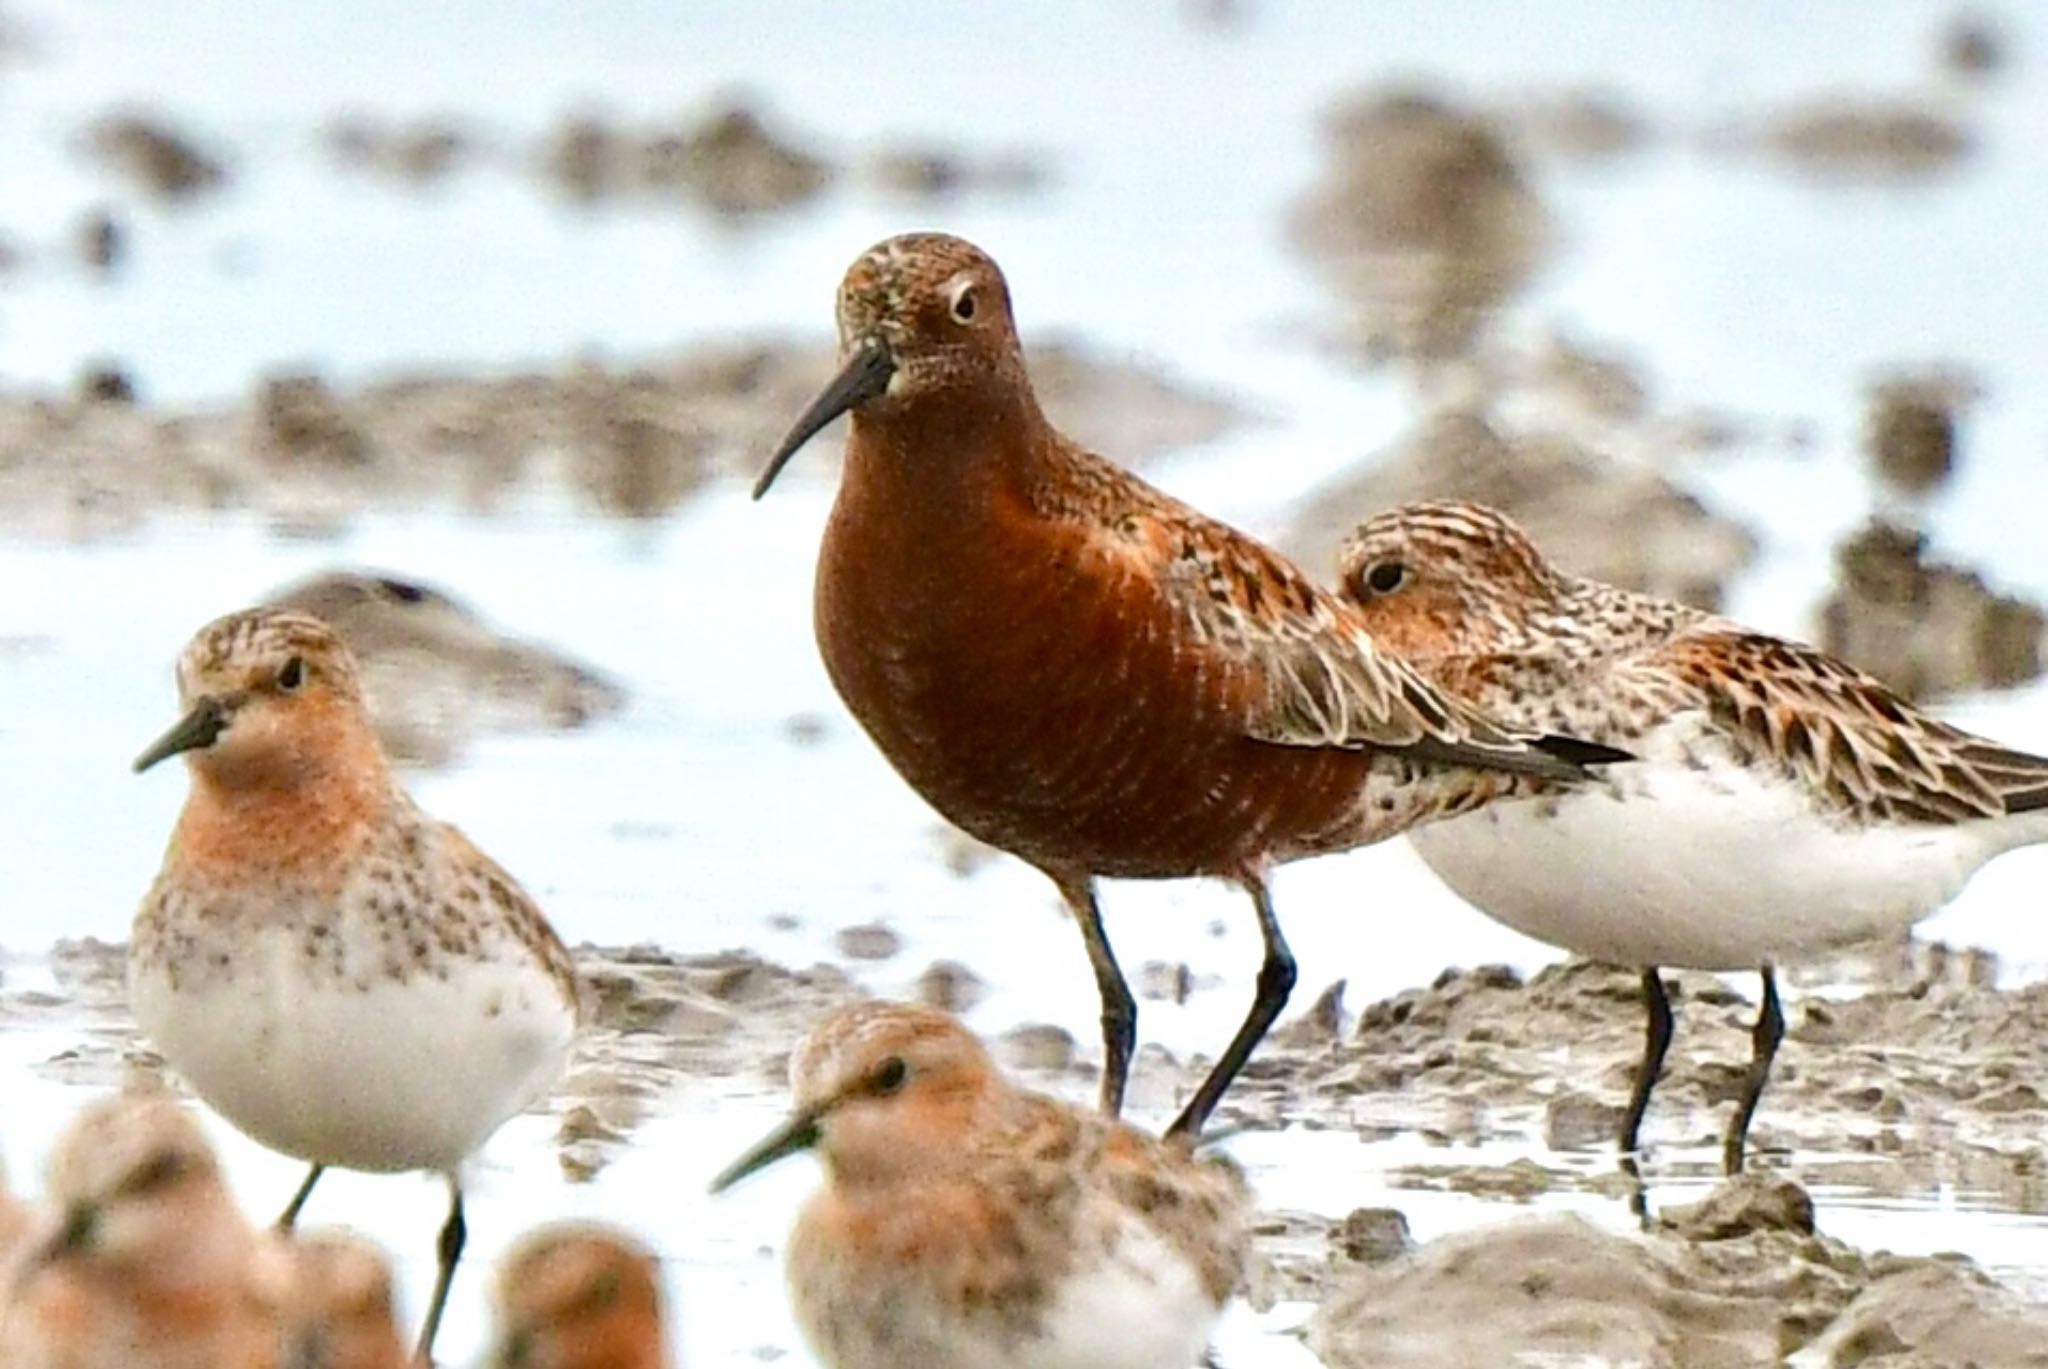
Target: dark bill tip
[
  {"x": 865, "y": 375},
  {"x": 198, "y": 729},
  {"x": 800, "y": 1132}
]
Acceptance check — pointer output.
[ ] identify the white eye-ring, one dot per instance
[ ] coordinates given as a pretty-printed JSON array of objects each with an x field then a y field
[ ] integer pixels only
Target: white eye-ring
[{"x": 966, "y": 301}]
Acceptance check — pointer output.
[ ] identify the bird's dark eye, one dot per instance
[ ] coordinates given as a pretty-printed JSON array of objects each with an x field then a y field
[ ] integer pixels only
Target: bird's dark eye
[
  {"x": 401, "y": 591},
  {"x": 157, "y": 1172},
  {"x": 293, "y": 675},
  {"x": 964, "y": 305},
  {"x": 890, "y": 1076},
  {"x": 1386, "y": 577}
]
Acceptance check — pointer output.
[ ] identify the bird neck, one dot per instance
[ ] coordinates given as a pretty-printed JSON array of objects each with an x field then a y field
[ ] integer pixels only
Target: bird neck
[
  {"x": 301, "y": 811},
  {"x": 937, "y": 459},
  {"x": 911, "y": 1142}
]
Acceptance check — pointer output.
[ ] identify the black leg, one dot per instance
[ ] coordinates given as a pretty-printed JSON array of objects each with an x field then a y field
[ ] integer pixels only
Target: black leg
[
  {"x": 1656, "y": 1041},
  {"x": 1764, "y": 1039},
  {"x": 1119, "y": 1009},
  {"x": 1276, "y": 982},
  {"x": 454, "y": 1234},
  {"x": 298, "y": 1202}
]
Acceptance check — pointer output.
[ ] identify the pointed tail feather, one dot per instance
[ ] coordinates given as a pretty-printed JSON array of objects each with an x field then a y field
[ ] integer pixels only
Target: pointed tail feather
[
  {"x": 1574, "y": 751},
  {"x": 2019, "y": 779},
  {"x": 1550, "y": 757}
]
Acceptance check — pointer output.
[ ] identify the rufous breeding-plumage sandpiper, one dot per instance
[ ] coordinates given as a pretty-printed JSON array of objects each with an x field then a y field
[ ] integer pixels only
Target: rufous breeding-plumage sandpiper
[
  {"x": 1082, "y": 671},
  {"x": 965, "y": 1223},
  {"x": 341, "y": 976}
]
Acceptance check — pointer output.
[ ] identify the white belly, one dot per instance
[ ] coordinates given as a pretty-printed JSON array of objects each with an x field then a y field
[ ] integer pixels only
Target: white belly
[
  {"x": 1143, "y": 1308},
  {"x": 1711, "y": 869},
  {"x": 393, "y": 1076}
]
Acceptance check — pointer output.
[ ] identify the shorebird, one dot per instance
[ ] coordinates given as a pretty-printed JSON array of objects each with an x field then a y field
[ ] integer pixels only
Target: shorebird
[
  {"x": 968, "y": 1224},
  {"x": 578, "y": 1296},
  {"x": 342, "y": 977},
  {"x": 338, "y": 1307},
  {"x": 1078, "y": 669},
  {"x": 1782, "y": 802},
  {"x": 148, "y": 1264}
]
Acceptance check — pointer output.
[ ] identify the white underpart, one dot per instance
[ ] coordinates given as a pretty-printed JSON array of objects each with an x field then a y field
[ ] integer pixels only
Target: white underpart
[
  {"x": 1712, "y": 868},
  {"x": 1144, "y": 1307},
  {"x": 397, "y": 1076}
]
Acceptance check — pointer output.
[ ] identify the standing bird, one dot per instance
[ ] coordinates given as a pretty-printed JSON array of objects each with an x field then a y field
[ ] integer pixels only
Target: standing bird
[
  {"x": 578, "y": 1296},
  {"x": 150, "y": 1264},
  {"x": 968, "y": 1224},
  {"x": 1783, "y": 803},
  {"x": 1077, "y": 669},
  {"x": 339, "y": 975}
]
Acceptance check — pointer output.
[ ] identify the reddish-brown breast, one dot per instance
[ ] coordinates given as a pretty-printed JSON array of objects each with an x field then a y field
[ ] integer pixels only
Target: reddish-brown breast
[
  {"x": 1066, "y": 662},
  {"x": 1038, "y": 687}
]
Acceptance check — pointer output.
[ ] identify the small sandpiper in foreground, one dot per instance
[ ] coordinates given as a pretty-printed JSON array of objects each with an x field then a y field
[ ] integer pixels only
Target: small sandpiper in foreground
[
  {"x": 1079, "y": 670},
  {"x": 968, "y": 1224},
  {"x": 1783, "y": 803},
  {"x": 339, "y": 975},
  {"x": 578, "y": 1296},
  {"x": 144, "y": 1261}
]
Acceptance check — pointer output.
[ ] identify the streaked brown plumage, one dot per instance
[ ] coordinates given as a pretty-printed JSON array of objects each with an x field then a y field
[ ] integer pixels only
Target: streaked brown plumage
[
  {"x": 1783, "y": 801},
  {"x": 1076, "y": 668},
  {"x": 969, "y": 1224}
]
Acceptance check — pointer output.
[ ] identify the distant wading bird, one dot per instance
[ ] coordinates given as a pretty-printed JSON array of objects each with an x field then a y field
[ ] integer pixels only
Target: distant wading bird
[
  {"x": 1783, "y": 802},
  {"x": 339, "y": 975},
  {"x": 1077, "y": 669},
  {"x": 575, "y": 1296},
  {"x": 145, "y": 1262}
]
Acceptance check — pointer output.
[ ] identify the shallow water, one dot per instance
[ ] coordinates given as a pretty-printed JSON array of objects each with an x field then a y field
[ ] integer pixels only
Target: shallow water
[{"x": 698, "y": 819}]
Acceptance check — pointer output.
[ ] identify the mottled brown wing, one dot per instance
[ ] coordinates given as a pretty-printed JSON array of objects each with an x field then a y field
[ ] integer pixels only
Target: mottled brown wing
[
  {"x": 1323, "y": 683},
  {"x": 523, "y": 918},
  {"x": 1848, "y": 736}
]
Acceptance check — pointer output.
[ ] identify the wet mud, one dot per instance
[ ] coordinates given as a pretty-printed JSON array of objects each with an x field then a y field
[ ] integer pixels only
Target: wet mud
[
  {"x": 1864, "y": 139},
  {"x": 1741, "y": 1278},
  {"x": 1923, "y": 625},
  {"x": 154, "y": 157},
  {"x": 1423, "y": 220},
  {"x": 1594, "y": 513},
  {"x": 1924, "y": 1075},
  {"x": 626, "y": 440}
]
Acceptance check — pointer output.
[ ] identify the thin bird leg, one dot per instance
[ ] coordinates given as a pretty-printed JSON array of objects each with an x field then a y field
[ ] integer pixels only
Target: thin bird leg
[
  {"x": 454, "y": 1235},
  {"x": 298, "y": 1202},
  {"x": 1764, "y": 1038},
  {"x": 1119, "y": 1009},
  {"x": 1276, "y": 982},
  {"x": 1656, "y": 1040}
]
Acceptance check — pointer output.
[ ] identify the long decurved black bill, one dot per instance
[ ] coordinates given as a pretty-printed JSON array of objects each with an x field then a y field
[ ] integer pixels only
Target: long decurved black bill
[
  {"x": 865, "y": 375},
  {"x": 199, "y": 728},
  {"x": 800, "y": 1132}
]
